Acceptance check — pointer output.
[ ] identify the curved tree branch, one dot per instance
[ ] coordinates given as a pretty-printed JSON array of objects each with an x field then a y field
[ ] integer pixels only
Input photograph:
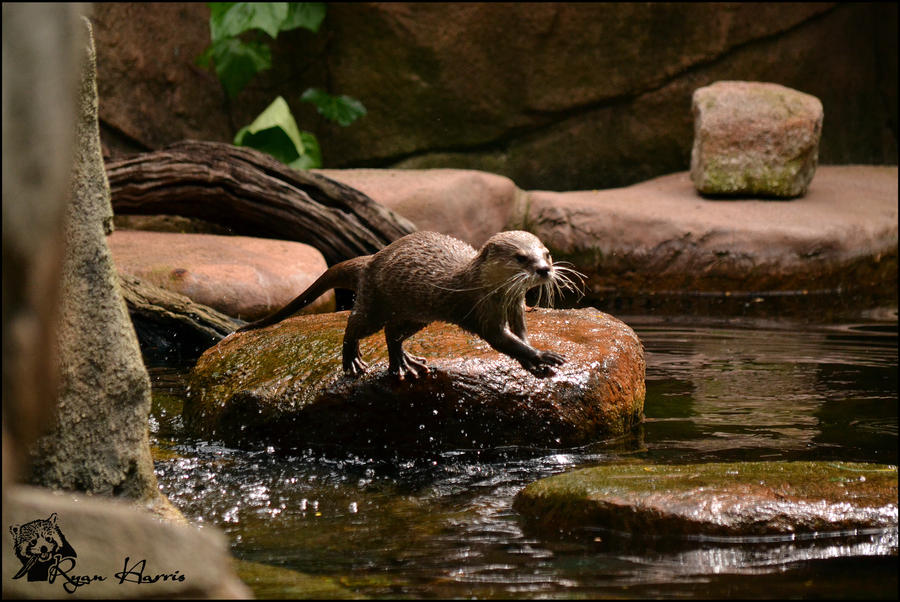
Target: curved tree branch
[{"x": 255, "y": 195}]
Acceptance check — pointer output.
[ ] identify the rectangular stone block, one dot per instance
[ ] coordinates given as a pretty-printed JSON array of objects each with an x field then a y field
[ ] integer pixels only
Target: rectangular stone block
[{"x": 754, "y": 139}]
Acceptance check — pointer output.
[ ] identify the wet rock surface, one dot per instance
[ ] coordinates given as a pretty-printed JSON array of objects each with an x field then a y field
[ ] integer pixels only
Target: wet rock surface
[
  {"x": 284, "y": 386},
  {"x": 717, "y": 499},
  {"x": 240, "y": 276},
  {"x": 754, "y": 138}
]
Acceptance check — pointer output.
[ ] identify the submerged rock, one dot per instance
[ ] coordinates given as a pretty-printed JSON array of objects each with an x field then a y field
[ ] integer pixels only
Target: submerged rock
[
  {"x": 284, "y": 386},
  {"x": 718, "y": 499},
  {"x": 268, "y": 582},
  {"x": 754, "y": 138}
]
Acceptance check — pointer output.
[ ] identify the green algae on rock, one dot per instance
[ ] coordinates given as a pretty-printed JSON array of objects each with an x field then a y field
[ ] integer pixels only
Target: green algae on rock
[
  {"x": 269, "y": 581},
  {"x": 716, "y": 499},
  {"x": 283, "y": 386},
  {"x": 754, "y": 138}
]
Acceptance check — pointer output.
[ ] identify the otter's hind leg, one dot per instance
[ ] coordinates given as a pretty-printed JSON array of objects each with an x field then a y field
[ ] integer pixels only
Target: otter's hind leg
[
  {"x": 358, "y": 327},
  {"x": 400, "y": 362}
]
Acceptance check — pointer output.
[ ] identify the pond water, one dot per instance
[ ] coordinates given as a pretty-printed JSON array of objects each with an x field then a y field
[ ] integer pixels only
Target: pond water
[{"x": 442, "y": 526}]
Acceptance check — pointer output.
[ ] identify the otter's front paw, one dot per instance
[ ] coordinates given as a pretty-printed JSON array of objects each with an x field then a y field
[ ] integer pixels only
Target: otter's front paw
[
  {"x": 552, "y": 359},
  {"x": 542, "y": 366}
]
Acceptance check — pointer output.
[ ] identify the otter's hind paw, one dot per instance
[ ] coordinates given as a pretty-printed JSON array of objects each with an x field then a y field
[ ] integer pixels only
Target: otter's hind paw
[
  {"x": 356, "y": 366},
  {"x": 411, "y": 365}
]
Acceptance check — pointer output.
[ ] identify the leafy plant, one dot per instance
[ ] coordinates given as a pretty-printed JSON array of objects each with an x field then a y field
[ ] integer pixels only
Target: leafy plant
[
  {"x": 343, "y": 110},
  {"x": 237, "y": 61},
  {"x": 275, "y": 132}
]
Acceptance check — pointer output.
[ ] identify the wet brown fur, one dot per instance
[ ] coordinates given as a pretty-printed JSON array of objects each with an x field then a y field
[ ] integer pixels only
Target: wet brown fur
[{"x": 426, "y": 277}]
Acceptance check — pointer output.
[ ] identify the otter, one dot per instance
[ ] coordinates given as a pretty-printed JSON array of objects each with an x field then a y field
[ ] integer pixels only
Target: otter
[{"x": 425, "y": 277}]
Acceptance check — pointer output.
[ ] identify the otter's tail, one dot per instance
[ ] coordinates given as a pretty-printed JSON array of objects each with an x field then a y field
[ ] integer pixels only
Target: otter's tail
[{"x": 344, "y": 275}]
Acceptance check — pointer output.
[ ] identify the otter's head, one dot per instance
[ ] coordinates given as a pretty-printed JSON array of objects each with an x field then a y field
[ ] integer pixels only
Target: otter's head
[{"x": 515, "y": 262}]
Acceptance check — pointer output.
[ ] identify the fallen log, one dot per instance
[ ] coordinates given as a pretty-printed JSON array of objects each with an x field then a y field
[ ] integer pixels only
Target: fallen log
[
  {"x": 254, "y": 195},
  {"x": 170, "y": 327}
]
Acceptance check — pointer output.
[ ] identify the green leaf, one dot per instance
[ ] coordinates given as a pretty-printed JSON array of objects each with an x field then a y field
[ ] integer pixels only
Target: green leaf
[
  {"x": 237, "y": 62},
  {"x": 312, "y": 158},
  {"x": 341, "y": 109},
  {"x": 304, "y": 14},
  {"x": 275, "y": 132},
  {"x": 230, "y": 19}
]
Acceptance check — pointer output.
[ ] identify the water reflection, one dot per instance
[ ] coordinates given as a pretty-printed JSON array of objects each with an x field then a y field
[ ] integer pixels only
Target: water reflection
[
  {"x": 442, "y": 525},
  {"x": 783, "y": 393}
]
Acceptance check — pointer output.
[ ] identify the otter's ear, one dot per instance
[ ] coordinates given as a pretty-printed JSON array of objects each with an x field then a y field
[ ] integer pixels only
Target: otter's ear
[{"x": 14, "y": 530}]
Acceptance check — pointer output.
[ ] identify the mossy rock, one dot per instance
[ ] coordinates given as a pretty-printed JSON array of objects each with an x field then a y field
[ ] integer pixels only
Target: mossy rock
[
  {"x": 284, "y": 386},
  {"x": 717, "y": 499},
  {"x": 272, "y": 582}
]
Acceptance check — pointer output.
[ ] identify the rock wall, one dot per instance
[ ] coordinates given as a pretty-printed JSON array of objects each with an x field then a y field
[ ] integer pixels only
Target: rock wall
[
  {"x": 560, "y": 96},
  {"x": 100, "y": 440}
]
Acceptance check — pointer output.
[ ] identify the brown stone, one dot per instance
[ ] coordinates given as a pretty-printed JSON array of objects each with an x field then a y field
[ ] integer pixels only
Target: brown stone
[
  {"x": 469, "y": 205},
  {"x": 284, "y": 386},
  {"x": 240, "y": 276},
  {"x": 754, "y": 139},
  {"x": 661, "y": 236},
  {"x": 169, "y": 223}
]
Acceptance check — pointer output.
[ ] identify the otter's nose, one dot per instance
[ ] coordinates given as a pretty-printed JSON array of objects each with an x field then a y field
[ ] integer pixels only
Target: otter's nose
[{"x": 543, "y": 270}]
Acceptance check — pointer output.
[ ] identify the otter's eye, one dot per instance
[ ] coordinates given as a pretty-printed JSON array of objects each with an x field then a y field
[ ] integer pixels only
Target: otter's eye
[{"x": 522, "y": 258}]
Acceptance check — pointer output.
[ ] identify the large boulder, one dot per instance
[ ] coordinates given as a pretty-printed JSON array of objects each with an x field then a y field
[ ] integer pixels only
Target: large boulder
[
  {"x": 661, "y": 236},
  {"x": 284, "y": 386},
  {"x": 466, "y": 204},
  {"x": 754, "y": 139},
  {"x": 240, "y": 276},
  {"x": 569, "y": 96}
]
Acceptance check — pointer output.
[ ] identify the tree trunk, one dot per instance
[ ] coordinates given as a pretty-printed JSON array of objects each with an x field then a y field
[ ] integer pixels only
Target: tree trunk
[{"x": 254, "y": 195}]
